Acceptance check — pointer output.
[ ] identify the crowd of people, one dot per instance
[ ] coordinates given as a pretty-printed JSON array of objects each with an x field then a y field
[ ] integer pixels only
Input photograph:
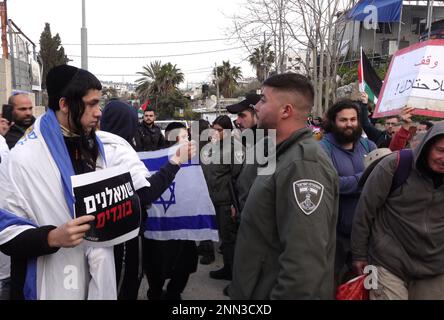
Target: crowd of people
[{"x": 342, "y": 195}]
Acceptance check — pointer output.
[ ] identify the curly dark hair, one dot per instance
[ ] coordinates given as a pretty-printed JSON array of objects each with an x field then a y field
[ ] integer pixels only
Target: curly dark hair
[{"x": 335, "y": 109}]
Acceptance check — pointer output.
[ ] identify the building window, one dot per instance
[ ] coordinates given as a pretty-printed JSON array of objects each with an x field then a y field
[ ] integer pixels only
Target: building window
[
  {"x": 419, "y": 25},
  {"x": 385, "y": 27}
]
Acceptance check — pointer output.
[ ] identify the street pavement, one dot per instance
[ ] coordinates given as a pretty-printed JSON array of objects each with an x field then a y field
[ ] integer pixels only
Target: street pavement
[{"x": 200, "y": 286}]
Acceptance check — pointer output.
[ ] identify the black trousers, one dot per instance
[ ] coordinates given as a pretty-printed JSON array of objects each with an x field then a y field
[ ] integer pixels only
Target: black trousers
[
  {"x": 206, "y": 248},
  {"x": 343, "y": 260},
  {"x": 126, "y": 257},
  {"x": 227, "y": 234},
  {"x": 171, "y": 259}
]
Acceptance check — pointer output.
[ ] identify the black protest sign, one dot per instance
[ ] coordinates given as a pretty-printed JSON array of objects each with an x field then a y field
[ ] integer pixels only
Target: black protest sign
[{"x": 109, "y": 196}]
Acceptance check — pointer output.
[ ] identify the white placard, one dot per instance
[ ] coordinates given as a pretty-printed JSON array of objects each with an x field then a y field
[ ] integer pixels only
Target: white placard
[{"x": 415, "y": 79}]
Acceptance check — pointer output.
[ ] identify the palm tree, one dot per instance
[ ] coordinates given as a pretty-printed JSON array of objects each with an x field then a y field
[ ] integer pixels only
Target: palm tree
[
  {"x": 158, "y": 80},
  {"x": 228, "y": 78},
  {"x": 169, "y": 78},
  {"x": 262, "y": 59},
  {"x": 147, "y": 85}
]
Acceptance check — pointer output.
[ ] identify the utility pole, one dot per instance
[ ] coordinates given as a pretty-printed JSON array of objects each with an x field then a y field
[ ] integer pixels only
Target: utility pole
[
  {"x": 84, "y": 39},
  {"x": 4, "y": 23},
  {"x": 429, "y": 17},
  {"x": 217, "y": 89}
]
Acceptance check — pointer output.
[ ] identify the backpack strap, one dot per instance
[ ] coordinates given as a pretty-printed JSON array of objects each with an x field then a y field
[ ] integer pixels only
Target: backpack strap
[
  {"x": 403, "y": 168},
  {"x": 365, "y": 144},
  {"x": 327, "y": 145}
]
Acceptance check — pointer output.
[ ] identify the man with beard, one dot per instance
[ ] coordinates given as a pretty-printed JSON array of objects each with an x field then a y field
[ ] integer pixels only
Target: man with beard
[
  {"x": 21, "y": 116},
  {"x": 246, "y": 116},
  {"x": 346, "y": 148},
  {"x": 149, "y": 136},
  {"x": 246, "y": 122}
]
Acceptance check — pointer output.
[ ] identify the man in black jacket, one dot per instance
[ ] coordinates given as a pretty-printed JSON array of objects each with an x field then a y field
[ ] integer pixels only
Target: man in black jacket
[
  {"x": 150, "y": 137},
  {"x": 21, "y": 116},
  {"x": 381, "y": 138}
]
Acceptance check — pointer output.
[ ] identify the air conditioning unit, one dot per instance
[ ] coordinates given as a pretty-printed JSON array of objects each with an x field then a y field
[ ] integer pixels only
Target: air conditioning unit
[{"x": 390, "y": 46}]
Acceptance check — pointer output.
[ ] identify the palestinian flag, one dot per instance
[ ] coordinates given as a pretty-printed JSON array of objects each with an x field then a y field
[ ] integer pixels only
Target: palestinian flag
[
  {"x": 146, "y": 105},
  {"x": 369, "y": 81}
]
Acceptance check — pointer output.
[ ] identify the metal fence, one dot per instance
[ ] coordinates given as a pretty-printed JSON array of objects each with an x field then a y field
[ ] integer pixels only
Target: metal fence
[{"x": 25, "y": 70}]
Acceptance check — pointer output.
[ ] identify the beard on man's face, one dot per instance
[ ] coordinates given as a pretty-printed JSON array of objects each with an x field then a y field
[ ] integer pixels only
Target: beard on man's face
[
  {"x": 346, "y": 135},
  {"x": 25, "y": 122}
]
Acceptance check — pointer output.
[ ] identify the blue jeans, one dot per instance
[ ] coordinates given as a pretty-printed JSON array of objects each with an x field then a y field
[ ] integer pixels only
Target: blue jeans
[{"x": 5, "y": 287}]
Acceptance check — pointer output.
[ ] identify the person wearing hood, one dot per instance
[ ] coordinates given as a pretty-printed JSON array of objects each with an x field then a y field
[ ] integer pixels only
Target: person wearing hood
[
  {"x": 400, "y": 232},
  {"x": 121, "y": 119}
]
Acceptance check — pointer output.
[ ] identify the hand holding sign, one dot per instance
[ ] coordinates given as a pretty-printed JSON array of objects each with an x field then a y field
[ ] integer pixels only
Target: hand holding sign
[
  {"x": 110, "y": 197},
  {"x": 70, "y": 234},
  {"x": 406, "y": 114},
  {"x": 406, "y": 117}
]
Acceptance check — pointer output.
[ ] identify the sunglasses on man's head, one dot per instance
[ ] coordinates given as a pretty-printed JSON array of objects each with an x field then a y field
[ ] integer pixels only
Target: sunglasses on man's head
[{"x": 392, "y": 124}]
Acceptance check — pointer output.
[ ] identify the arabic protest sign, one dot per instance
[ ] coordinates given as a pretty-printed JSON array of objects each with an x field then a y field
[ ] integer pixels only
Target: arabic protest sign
[
  {"x": 415, "y": 79},
  {"x": 110, "y": 196}
]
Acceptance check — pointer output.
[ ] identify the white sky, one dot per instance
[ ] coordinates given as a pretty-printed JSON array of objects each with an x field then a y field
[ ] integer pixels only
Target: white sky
[{"x": 129, "y": 21}]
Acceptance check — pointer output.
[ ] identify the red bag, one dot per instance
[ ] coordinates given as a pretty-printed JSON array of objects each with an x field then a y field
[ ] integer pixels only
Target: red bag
[{"x": 353, "y": 290}]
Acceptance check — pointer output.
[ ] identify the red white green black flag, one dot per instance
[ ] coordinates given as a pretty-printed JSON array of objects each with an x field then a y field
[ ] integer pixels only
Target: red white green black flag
[{"x": 369, "y": 81}]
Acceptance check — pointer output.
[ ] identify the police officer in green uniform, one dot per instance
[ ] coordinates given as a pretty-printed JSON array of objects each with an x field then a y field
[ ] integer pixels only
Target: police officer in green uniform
[
  {"x": 285, "y": 245},
  {"x": 226, "y": 162}
]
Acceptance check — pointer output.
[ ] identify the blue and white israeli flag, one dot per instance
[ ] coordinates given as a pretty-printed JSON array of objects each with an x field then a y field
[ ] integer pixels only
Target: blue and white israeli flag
[{"x": 184, "y": 211}]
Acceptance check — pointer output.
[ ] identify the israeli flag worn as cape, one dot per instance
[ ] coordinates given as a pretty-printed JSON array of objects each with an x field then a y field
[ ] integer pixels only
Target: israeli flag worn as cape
[{"x": 184, "y": 211}]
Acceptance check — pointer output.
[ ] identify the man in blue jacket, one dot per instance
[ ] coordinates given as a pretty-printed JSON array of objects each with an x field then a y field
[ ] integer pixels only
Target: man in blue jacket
[{"x": 346, "y": 148}]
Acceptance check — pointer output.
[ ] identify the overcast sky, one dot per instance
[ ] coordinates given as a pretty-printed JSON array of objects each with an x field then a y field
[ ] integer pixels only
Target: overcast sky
[{"x": 141, "y": 21}]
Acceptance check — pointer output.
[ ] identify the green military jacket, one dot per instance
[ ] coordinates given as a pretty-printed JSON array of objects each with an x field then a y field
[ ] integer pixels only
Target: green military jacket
[
  {"x": 285, "y": 247},
  {"x": 227, "y": 158}
]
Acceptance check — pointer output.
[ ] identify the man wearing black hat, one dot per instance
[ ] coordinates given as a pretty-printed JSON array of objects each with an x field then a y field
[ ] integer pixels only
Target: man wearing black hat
[
  {"x": 43, "y": 237},
  {"x": 246, "y": 116},
  {"x": 246, "y": 120}
]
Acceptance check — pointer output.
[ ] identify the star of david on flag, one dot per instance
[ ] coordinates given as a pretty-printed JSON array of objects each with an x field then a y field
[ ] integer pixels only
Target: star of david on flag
[
  {"x": 184, "y": 211},
  {"x": 165, "y": 201}
]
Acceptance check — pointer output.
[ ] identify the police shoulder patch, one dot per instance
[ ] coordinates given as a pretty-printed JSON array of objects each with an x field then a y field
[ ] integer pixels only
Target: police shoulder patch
[
  {"x": 308, "y": 195},
  {"x": 239, "y": 156}
]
